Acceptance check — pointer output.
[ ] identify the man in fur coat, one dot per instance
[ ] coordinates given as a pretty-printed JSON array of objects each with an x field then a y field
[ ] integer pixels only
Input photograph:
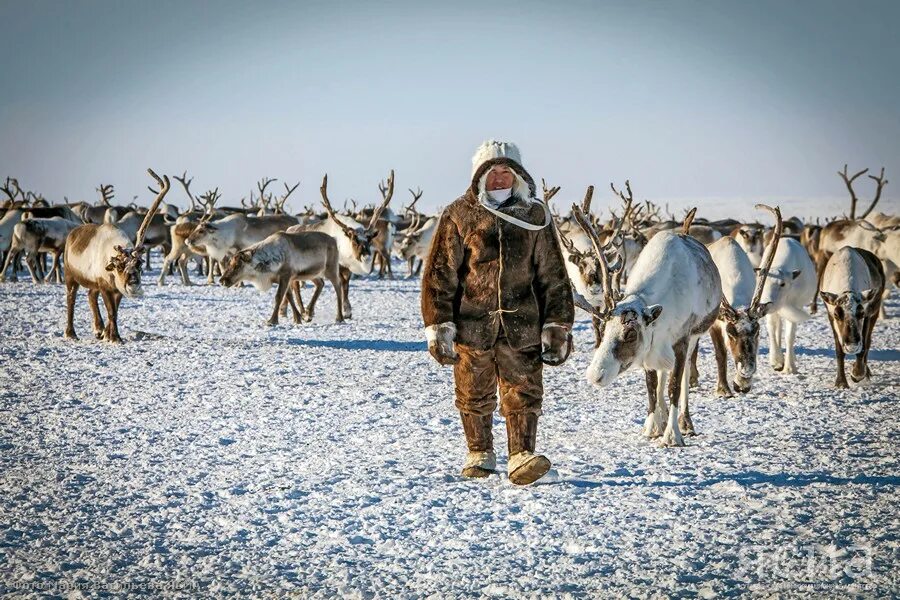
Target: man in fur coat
[{"x": 497, "y": 305}]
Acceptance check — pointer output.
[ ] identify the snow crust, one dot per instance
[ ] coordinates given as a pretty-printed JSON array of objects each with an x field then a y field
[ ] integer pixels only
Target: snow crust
[{"x": 211, "y": 455}]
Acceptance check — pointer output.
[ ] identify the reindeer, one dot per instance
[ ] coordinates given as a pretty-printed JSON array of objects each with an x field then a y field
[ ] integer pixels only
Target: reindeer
[
  {"x": 179, "y": 252},
  {"x": 220, "y": 238},
  {"x": 102, "y": 259},
  {"x": 740, "y": 310},
  {"x": 353, "y": 239},
  {"x": 7, "y": 226},
  {"x": 288, "y": 258},
  {"x": 413, "y": 244},
  {"x": 852, "y": 286},
  {"x": 670, "y": 300},
  {"x": 33, "y": 236},
  {"x": 857, "y": 232},
  {"x": 789, "y": 287}
]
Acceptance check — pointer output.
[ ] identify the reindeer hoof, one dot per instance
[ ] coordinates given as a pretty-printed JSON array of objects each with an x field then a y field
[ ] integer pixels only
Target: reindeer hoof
[
  {"x": 271, "y": 323},
  {"x": 306, "y": 317},
  {"x": 724, "y": 392},
  {"x": 743, "y": 389},
  {"x": 841, "y": 384},
  {"x": 70, "y": 335}
]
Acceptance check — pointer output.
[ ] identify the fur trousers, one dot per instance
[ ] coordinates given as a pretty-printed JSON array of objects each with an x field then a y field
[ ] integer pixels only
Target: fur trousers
[{"x": 517, "y": 373}]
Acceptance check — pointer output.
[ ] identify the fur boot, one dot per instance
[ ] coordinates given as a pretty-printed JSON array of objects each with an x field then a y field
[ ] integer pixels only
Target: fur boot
[
  {"x": 481, "y": 460},
  {"x": 524, "y": 465}
]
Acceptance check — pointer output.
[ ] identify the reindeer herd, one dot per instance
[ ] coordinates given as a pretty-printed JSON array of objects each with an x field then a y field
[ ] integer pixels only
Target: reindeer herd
[{"x": 652, "y": 284}]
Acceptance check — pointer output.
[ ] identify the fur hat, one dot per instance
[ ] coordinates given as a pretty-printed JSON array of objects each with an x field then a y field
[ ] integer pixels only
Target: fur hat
[{"x": 494, "y": 149}]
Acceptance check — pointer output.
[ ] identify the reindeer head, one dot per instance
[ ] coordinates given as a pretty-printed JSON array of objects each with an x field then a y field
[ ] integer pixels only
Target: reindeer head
[
  {"x": 625, "y": 340},
  {"x": 847, "y": 312},
  {"x": 203, "y": 234},
  {"x": 360, "y": 238},
  {"x": 741, "y": 325},
  {"x": 125, "y": 265},
  {"x": 750, "y": 238},
  {"x": 237, "y": 268},
  {"x": 624, "y": 327}
]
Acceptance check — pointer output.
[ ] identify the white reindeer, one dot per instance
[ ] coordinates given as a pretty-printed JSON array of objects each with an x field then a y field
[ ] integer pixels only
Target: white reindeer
[
  {"x": 671, "y": 299},
  {"x": 790, "y": 288}
]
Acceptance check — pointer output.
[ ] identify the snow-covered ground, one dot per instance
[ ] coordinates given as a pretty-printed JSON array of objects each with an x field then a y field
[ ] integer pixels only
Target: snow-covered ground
[{"x": 212, "y": 455}]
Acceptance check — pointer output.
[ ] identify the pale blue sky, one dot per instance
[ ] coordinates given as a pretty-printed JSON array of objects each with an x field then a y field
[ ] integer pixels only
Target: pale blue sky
[{"x": 701, "y": 100}]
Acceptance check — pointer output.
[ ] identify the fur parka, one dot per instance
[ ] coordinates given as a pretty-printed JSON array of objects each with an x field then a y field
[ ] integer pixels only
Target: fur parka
[{"x": 483, "y": 271}]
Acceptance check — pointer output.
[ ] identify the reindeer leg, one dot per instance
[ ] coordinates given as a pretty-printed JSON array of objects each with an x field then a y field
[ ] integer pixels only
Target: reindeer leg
[
  {"x": 790, "y": 334},
  {"x": 861, "y": 373},
  {"x": 112, "y": 316},
  {"x": 284, "y": 303},
  {"x": 718, "y": 341},
  {"x": 182, "y": 267},
  {"x": 279, "y": 298},
  {"x": 161, "y": 281},
  {"x": 419, "y": 266},
  {"x": 71, "y": 294},
  {"x": 93, "y": 295},
  {"x": 595, "y": 325},
  {"x": 319, "y": 283},
  {"x": 387, "y": 262},
  {"x": 209, "y": 271},
  {"x": 695, "y": 374},
  {"x": 684, "y": 417},
  {"x": 776, "y": 358},
  {"x": 289, "y": 295},
  {"x": 296, "y": 287},
  {"x": 345, "y": 290},
  {"x": 335, "y": 279},
  {"x": 672, "y": 435},
  {"x": 840, "y": 381},
  {"x": 411, "y": 262},
  {"x": 32, "y": 263},
  {"x": 651, "y": 427},
  {"x": 10, "y": 258},
  {"x": 57, "y": 266}
]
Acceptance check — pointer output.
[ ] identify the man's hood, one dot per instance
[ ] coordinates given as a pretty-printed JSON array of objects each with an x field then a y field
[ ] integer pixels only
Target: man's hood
[{"x": 526, "y": 207}]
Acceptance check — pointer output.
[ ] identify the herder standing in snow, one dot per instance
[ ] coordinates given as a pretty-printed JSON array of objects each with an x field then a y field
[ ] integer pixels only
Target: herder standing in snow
[{"x": 497, "y": 305}]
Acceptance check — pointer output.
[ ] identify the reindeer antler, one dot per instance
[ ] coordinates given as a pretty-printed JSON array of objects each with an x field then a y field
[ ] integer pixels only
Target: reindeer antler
[
  {"x": 324, "y": 191},
  {"x": 611, "y": 294},
  {"x": 548, "y": 192},
  {"x": 412, "y": 206},
  {"x": 163, "y": 190},
  {"x": 186, "y": 184},
  {"x": 107, "y": 193},
  {"x": 279, "y": 204},
  {"x": 387, "y": 192},
  {"x": 764, "y": 270},
  {"x": 688, "y": 219}
]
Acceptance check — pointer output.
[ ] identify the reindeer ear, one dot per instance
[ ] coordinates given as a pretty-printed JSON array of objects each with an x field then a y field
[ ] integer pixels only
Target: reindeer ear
[
  {"x": 869, "y": 295},
  {"x": 828, "y": 298},
  {"x": 726, "y": 311},
  {"x": 110, "y": 266},
  {"x": 795, "y": 273},
  {"x": 763, "y": 309},
  {"x": 652, "y": 312},
  {"x": 573, "y": 259}
]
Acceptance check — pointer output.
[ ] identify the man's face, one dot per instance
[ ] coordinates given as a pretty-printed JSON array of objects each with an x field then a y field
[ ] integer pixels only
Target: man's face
[{"x": 499, "y": 178}]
